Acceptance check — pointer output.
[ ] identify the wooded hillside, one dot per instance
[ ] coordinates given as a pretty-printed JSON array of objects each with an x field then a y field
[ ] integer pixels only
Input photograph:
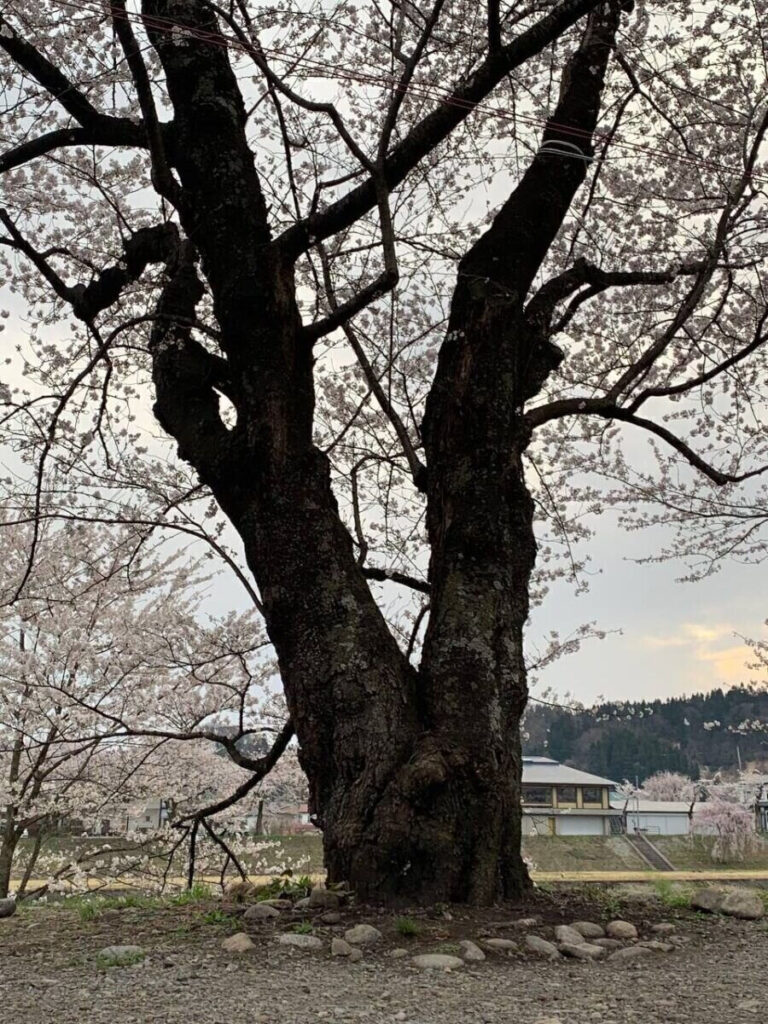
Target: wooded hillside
[{"x": 695, "y": 735}]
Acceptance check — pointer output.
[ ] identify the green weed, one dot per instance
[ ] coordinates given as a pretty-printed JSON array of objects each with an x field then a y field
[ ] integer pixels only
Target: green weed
[
  {"x": 285, "y": 887},
  {"x": 90, "y": 908},
  {"x": 89, "y": 911},
  {"x": 672, "y": 895},
  {"x": 199, "y": 892},
  {"x": 303, "y": 928},
  {"x": 218, "y": 917},
  {"x": 407, "y": 927},
  {"x": 610, "y": 903}
]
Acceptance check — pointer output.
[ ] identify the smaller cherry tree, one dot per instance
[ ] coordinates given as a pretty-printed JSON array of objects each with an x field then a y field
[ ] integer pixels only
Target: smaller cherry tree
[
  {"x": 669, "y": 786},
  {"x": 114, "y": 688},
  {"x": 732, "y": 825}
]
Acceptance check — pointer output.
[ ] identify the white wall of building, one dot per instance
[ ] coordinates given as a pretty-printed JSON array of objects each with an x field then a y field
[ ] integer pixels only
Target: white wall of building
[
  {"x": 658, "y": 824},
  {"x": 580, "y": 825}
]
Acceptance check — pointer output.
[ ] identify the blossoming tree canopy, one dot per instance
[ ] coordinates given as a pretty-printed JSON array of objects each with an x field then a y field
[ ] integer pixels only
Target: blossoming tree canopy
[
  {"x": 113, "y": 686},
  {"x": 399, "y": 284}
]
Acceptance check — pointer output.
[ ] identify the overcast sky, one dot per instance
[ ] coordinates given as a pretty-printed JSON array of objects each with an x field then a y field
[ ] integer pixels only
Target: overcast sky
[{"x": 676, "y": 638}]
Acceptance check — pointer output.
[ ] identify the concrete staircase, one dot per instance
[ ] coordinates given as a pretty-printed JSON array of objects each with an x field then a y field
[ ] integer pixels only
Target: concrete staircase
[{"x": 645, "y": 849}]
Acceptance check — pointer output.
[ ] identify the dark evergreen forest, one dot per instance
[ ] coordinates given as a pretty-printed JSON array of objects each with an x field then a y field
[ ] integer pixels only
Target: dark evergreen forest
[{"x": 695, "y": 735}]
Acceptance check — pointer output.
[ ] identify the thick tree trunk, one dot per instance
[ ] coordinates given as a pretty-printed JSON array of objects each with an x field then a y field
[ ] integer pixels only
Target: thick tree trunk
[{"x": 414, "y": 776}]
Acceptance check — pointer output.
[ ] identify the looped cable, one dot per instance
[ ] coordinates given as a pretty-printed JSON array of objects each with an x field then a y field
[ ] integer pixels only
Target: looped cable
[{"x": 561, "y": 147}]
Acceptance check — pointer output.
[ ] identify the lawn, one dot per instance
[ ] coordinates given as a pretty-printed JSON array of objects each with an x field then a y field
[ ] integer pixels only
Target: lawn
[
  {"x": 581, "y": 853},
  {"x": 695, "y": 853}
]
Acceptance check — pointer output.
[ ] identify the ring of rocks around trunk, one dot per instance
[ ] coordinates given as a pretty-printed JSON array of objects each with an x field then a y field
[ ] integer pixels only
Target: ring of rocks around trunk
[{"x": 330, "y": 922}]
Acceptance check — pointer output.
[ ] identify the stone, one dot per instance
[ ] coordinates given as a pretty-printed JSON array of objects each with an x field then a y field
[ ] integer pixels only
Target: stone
[
  {"x": 525, "y": 922},
  {"x": 472, "y": 951},
  {"x": 331, "y": 917},
  {"x": 363, "y": 935},
  {"x": 589, "y": 929},
  {"x": 662, "y": 928},
  {"x": 503, "y": 944},
  {"x": 240, "y": 890},
  {"x": 122, "y": 954},
  {"x": 278, "y": 904},
  {"x": 564, "y": 933},
  {"x": 656, "y": 946},
  {"x": 398, "y": 953},
  {"x": 238, "y": 943},
  {"x": 340, "y": 948},
  {"x": 743, "y": 904},
  {"x": 608, "y": 943},
  {"x": 355, "y": 955},
  {"x": 621, "y": 930},
  {"x": 630, "y": 953},
  {"x": 749, "y": 1005},
  {"x": 437, "y": 962},
  {"x": 302, "y": 904},
  {"x": 541, "y": 947},
  {"x": 300, "y": 941},
  {"x": 583, "y": 951},
  {"x": 261, "y": 912},
  {"x": 7, "y": 908},
  {"x": 324, "y": 898},
  {"x": 708, "y": 899}
]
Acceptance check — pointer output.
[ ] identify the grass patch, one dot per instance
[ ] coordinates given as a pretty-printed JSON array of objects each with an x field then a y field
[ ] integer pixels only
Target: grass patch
[
  {"x": 199, "y": 892},
  {"x": 218, "y": 917},
  {"x": 447, "y": 947},
  {"x": 303, "y": 928},
  {"x": 90, "y": 908},
  {"x": 672, "y": 895},
  {"x": 581, "y": 853},
  {"x": 88, "y": 911},
  {"x": 609, "y": 901},
  {"x": 694, "y": 853},
  {"x": 285, "y": 887},
  {"x": 407, "y": 927},
  {"x": 127, "y": 959}
]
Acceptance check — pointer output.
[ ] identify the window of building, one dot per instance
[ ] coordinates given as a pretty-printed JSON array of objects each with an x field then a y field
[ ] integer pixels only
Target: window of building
[
  {"x": 537, "y": 795},
  {"x": 592, "y": 795},
  {"x": 566, "y": 794}
]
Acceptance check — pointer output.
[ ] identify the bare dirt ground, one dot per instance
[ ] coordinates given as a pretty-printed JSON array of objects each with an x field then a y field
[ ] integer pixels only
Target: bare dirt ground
[{"x": 50, "y": 970}]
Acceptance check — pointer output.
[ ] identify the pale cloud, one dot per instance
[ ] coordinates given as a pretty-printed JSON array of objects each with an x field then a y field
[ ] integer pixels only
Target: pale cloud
[
  {"x": 706, "y": 653},
  {"x": 729, "y": 663}
]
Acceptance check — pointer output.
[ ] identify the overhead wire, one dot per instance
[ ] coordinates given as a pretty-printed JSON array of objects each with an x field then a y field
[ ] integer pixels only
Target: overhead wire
[{"x": 421, "y": 90}]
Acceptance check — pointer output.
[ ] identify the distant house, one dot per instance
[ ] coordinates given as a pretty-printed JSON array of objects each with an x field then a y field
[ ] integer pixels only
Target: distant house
[
  {"x": 561, "y": 801},
  {"x": 285, "y": 820},
  {"x": 152, "y": 816}
]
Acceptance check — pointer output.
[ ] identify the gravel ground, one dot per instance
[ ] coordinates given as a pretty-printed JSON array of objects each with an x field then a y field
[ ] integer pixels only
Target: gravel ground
[{"x": 49, "y": 971}]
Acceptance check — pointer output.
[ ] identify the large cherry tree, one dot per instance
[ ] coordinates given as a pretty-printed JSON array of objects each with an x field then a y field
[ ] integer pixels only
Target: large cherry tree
[{"x": 399, "y": 277}]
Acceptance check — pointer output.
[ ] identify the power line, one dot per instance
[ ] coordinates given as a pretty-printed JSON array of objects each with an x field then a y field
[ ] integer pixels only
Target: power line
[{"x": 324, "y": 69}]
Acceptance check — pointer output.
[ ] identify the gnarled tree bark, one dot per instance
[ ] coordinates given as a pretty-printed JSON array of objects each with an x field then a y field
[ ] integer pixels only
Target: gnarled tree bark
[{"x": 414, "y": 775}]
